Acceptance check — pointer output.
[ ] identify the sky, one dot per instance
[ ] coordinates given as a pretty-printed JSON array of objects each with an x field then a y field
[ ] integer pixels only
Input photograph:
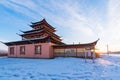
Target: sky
[{"x": 76, "y": 21}]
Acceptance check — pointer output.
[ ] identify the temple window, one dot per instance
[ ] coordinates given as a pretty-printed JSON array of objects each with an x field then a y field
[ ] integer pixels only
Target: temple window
[
  {"x": 11, "y": 50},
  {"x": 38, "y": 49},
  {"x": 22, "y": 50}
]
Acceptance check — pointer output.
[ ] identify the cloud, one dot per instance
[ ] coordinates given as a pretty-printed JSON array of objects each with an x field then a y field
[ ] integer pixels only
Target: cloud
[
  {"x": 113, "y": 29},
  {"x": 74, "y": 19},
  {"x": 81, "y": 25},
  {"x": 114, "y": 17},
  {"x": 18, "y": 8},
  {"x": 110, "y": 33}
]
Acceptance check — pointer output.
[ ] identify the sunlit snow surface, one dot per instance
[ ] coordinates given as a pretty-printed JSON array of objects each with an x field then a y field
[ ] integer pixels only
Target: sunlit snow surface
[{"x": 105, "y": 68}]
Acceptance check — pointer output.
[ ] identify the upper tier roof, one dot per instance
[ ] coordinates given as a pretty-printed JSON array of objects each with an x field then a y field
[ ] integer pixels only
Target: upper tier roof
[
  {"x": 33, "y": 30},
  {"x": 41, "y": 22},
  {"x": 39, "y": 31}
]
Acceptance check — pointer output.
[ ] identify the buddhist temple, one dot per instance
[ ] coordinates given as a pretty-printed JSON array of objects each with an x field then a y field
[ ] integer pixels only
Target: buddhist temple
[{"x": 42, "y": 42}]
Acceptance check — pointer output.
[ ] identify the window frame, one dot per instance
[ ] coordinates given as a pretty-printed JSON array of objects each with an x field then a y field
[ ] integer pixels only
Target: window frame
[
  {"x": 21, "y": 52},
  {"x": 12, "y": 51},
  {"x": 36, "y": 51}
]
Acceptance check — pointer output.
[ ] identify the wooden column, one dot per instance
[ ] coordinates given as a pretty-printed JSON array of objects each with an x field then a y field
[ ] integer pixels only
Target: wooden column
[
  {"x": 16, "y": 50},
  {"x": 64, "y": 52},
  {"x": 85, "y": 55},
  {"x": 76, "y": 52},
  {"x": 93, "y": 56}
]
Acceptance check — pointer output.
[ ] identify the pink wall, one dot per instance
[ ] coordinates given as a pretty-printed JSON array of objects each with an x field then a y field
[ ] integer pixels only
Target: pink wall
[{"x": 46, "y": 51}]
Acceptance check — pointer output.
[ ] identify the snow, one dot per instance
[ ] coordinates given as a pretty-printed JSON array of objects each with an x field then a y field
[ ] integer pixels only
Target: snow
[{"x": 105, "y": 68}]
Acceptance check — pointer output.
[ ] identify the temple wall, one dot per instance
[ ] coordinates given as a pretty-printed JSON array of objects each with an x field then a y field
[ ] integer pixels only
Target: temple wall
[{"x": 46, "y": 51}]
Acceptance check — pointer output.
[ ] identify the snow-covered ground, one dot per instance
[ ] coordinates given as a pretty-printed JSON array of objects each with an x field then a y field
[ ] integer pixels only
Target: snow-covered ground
[{"x": 105, "y": 68}]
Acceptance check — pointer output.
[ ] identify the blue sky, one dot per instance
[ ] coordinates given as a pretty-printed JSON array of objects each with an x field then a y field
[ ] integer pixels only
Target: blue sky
[{"x": 75, "y": 20}]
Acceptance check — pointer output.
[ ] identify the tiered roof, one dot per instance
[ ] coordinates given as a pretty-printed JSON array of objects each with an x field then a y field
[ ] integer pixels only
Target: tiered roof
[
  {"x": 43, "y": 23},
  {"x": 41, "y": 32}
]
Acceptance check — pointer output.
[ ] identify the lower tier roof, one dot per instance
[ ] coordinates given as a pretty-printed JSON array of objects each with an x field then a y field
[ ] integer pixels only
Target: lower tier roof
[
  {"x": 86, "y": 45},
  {"x": 49, "y": 39},
  {"x": 32, "y": 41}
]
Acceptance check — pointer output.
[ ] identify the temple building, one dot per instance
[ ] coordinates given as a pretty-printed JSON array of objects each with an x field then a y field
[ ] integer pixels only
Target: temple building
[{"x": 42, "y": 42}]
